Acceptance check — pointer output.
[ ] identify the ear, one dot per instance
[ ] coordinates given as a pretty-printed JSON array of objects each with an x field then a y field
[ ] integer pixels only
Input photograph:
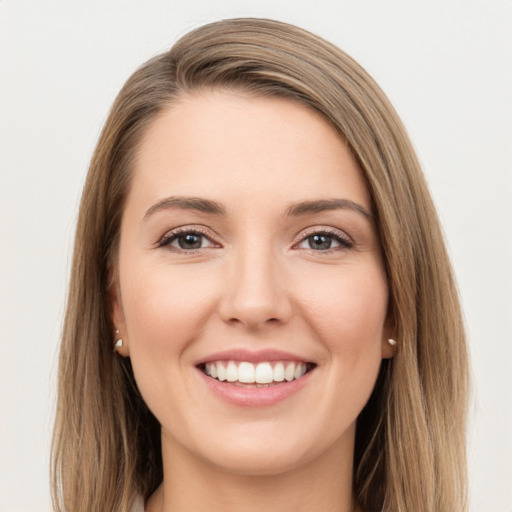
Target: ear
[
  {"x": 117, "y": 316},
  {"x": 388, "y": 349}
]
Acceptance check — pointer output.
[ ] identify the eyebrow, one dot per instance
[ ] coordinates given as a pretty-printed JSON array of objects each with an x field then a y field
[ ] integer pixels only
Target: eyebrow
[
  {"x": 323, "y": 205},
  {"x": 187, "y": 203},
  {"x": 296, "y": 209}
]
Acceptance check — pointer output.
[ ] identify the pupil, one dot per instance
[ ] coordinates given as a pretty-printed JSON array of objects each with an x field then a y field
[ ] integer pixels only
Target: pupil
[
  {"x": 321, "y": 242},
  {"x": 190, "y": 241}
]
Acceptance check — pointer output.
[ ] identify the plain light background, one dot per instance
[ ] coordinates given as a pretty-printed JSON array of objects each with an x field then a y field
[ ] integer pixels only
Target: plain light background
[{"x": 446, "y": 66}]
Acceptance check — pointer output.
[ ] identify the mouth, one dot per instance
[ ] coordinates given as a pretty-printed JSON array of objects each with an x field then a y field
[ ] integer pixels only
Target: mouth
[{"x": 263, "y": 374}]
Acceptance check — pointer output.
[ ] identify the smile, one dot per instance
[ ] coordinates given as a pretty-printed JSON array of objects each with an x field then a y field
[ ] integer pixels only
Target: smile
[
  {"x": 262, "y": 374},
  {"x": 264, "y": 378}
]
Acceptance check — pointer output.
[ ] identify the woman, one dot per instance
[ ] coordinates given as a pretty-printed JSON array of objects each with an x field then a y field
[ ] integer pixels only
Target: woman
[{"x": 257, "y": 246}]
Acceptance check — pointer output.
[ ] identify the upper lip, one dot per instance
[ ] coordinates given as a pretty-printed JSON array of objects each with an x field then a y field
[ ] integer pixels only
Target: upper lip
[{"x": 252, "y": 356}]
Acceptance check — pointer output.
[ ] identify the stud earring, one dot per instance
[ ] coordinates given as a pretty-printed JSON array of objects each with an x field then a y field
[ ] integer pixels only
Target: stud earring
[
  {"x": 392, "y": 342},
  {"x": 119, "y": 343}
]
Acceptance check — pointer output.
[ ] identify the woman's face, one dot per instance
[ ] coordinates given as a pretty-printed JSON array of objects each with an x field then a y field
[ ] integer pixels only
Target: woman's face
[{"x": 251, "y": 293}]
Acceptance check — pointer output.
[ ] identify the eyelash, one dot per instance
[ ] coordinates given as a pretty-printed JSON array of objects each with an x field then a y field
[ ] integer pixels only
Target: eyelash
[
  {"x": 344, "y": 241},
  {"x": 338, "y": 236},
  {"x": 169, "y": 238}
]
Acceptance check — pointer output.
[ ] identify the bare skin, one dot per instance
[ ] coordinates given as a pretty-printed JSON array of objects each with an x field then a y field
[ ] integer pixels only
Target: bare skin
[{"x": 248, "y": 229}]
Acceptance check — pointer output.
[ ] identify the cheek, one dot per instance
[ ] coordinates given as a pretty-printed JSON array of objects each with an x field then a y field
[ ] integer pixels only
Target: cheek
[
  {"x": 348, "y": 314},
  {"x": 352, "y": 329},
  {"x": 165, "y": 308},
  {"x": 165, "y": 313},
  {"x": 349, "y": 311}
]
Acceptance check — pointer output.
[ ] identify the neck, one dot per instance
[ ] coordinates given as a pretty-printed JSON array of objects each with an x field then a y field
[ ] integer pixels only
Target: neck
[{"x": 323, "y": 484}]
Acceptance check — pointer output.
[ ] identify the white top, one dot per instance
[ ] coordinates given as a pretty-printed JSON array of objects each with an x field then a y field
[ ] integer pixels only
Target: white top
[{"x": 138, "y": 504}]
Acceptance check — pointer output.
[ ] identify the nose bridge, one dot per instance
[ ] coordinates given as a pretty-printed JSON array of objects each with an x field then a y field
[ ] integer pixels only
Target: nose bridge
[{"x": 256, "y": 294}]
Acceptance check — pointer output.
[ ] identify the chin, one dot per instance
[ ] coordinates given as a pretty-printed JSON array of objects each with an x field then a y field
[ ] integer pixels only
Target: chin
[
  {"x": 258, "y": 462},
  {"x": 260, "y": 451}
]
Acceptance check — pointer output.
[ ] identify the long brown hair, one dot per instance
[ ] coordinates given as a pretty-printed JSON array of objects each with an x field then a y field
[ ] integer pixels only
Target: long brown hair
[{"x": 410, "y": 439}]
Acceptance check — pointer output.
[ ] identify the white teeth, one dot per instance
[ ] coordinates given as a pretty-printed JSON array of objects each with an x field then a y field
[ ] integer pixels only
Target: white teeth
[
  {"x": 231, "y": 372},
  {"x": 246, "y": 373},
  {"x": 264, "y": 373},
  {"x": 261, "y": 373},
  {"x": 221, "y": 372},
  {"x": 279, "y": 372},
  {"x": 298, "y": 371},
  {"x": 289, "y": 372}
]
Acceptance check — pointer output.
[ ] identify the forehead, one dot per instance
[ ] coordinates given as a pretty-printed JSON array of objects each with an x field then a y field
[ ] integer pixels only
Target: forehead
[{"x": 243, "y": 146}]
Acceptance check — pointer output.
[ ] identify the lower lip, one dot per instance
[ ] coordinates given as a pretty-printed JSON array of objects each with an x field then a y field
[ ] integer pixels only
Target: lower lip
[{"x": 254, "y": 396}]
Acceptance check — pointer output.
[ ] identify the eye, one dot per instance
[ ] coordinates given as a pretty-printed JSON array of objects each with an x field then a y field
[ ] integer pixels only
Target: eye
[
  {"x": 325, "y": 241},
  {"x": 186, "y": 240}
]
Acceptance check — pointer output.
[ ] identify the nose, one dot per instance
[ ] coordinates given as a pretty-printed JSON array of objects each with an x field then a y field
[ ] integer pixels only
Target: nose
[{"x": 255, "y": 293}]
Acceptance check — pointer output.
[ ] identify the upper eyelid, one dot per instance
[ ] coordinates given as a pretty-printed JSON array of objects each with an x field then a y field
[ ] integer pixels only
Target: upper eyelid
[
  {"x": 212, "y": 236},
  {"x": 329, "y": 230},
  {"x": 175, "y": 232},
  {"x": 186, "y": 228},
  {"x": 344, "y": 240}
]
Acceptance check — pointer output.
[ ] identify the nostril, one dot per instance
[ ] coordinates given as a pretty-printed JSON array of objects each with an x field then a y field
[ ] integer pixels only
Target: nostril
[{"x": 254, "y": 322}]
